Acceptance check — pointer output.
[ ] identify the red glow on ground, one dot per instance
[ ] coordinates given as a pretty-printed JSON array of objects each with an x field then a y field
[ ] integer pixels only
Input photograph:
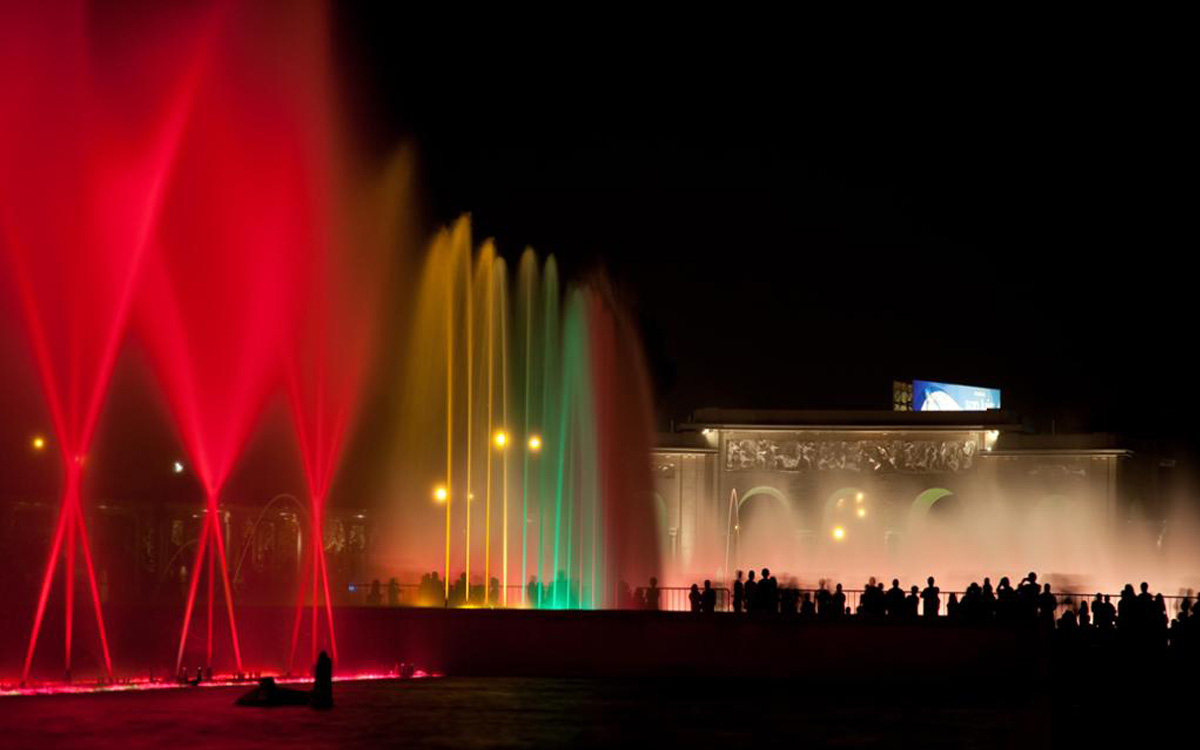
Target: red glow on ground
[
  {"x": 62, "y": 688},
  {"x": 81, "y": 178}
]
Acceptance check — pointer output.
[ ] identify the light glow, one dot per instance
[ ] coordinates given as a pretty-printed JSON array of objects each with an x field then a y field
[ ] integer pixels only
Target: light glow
[{"x": 839, "y": 533}]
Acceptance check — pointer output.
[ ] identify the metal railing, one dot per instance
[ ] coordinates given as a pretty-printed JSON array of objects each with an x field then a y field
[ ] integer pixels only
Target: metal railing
[{"x": 674, "y": 598}]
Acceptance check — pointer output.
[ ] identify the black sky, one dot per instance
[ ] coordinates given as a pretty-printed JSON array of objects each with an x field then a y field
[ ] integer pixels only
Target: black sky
[{"x": 796, "y": 227}]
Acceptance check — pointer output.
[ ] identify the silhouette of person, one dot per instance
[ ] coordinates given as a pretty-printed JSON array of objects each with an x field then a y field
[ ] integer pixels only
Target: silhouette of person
[
  {"x": 894, "y": 601},
  {"x": 694, "y": 598},
  {"x": 751, "y": 591},
  {"x": 708, "y": 598},
  {"x": 652, "y": 594},
  {"x": 839, "y": 601},
  {"x": 1047, "y": 604},
  {"x": 807, "y": 608},
  {"x": 322, "y": 692},
  {"x": 913, "y": 602},
  {"x": 375, "y": 598},
  {"x": 824, "y": 602},
  {"x": 930, "y": 598},
  {"x": 393, "y": 592},
  {"x": 739, "y": 592},
  {"x": 766, "y": 593}
]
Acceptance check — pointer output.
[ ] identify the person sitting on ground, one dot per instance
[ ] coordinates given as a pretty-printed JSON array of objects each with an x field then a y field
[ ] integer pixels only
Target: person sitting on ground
[
  {"x": 931, "y": 598},
  {"x": 270, "y": 695},
  {"x": 708, "y": 598},
  {"x": 694, "y": 598}
]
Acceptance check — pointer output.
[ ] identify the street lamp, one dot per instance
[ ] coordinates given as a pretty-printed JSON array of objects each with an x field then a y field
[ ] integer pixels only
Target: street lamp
[
  {"x": 535, "y": 443},
  {"x": 500, "y": 439},
  {"x": 439, "y": 494},
  {"x": 38, "y": 443}
]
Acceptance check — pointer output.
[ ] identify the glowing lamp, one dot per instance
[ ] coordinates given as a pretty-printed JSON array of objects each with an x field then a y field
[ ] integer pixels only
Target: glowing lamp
[
  {"x": 439, "y": 494},
  {"x": 501, "y": 439},
  {"x": 858, "y": 498},
  {"x": 177, "y": 467},
  {"x": 862, "y": 512},
  {"x": 38, "y": 443},
  {"x": 535, "y": 443},
  {"x": 839, "y": 533}
]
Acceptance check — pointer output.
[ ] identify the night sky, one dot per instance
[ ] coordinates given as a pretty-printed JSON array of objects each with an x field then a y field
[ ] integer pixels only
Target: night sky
[{"x": 795, "y": 228}]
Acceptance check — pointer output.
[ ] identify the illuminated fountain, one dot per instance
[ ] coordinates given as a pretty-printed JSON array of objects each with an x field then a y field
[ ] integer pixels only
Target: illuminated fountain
[
  {"x": 527, "y": 423},
  {"x": 81, "y": 184},
  {"x": 183, "y": 175}
]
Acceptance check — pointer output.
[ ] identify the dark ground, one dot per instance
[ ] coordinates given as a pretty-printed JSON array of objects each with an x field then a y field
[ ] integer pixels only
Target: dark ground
[{"x": 542, "y": 712}]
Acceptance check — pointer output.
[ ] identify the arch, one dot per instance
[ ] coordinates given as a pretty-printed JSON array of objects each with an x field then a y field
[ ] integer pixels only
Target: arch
[
  {"x": 764, "y": 490},
  {"x": 831, "y": 504},
  {"x": 777, "y": 502},
  {"x": 925, "y": 501}
]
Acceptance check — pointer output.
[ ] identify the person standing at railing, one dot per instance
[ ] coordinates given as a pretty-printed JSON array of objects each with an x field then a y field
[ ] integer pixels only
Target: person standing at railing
[
  {"x": 694, "y": 598},
  {"x": 838, "y": 602},
  {"x": 739, "y": 592},
  {"x": 708, "y": 598},
  {"x": 894, "y": 600},
  {"x": 769, "y": 589},
  {"x": 393, "y": 592},
  {"x": 931, "y": 597},
  {"x": 751, "y": 591},
  {"x": 652, "y": 595}
]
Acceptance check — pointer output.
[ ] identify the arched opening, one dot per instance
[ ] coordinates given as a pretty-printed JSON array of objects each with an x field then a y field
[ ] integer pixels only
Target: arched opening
[
  {"x": 943, "y": 500},
  {"x": 764, "y": 531}
]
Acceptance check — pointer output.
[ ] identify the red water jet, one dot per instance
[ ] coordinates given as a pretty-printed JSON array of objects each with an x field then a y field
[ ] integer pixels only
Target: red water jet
[
  {"x": 328, "y": 356},
  {"x": 220, "y": 295},
  {"x": 82, "y": 170}
]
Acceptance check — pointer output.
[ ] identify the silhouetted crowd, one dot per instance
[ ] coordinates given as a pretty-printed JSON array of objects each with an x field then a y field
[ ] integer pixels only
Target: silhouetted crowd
[{"x": 1137, "y": 618}]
